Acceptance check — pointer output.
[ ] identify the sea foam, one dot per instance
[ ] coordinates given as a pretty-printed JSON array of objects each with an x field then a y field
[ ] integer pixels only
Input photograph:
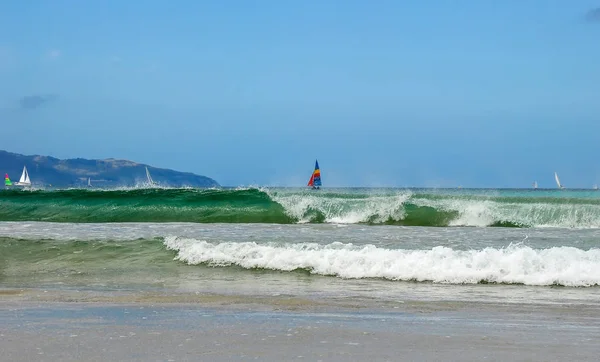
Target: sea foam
[
  {"x": 515, "y": 264},
  {"x": 344, "y": 210}
]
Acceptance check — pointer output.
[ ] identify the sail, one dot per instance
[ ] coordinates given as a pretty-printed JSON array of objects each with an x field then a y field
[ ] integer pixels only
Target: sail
[
  {"x": 7, "y": 181},
  {"x": 89, "y": 181},
  {"x": 535, "y": 185},
  {"x": 557, "y": 181},
  {"x": 150, "y": 181},
  {"x": 315, "y": 178},
  {"x": 25, "y": 177}
]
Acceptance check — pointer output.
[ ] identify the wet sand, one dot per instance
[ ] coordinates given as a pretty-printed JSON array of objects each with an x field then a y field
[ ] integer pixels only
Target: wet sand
[{"x": 39, "y": 325}]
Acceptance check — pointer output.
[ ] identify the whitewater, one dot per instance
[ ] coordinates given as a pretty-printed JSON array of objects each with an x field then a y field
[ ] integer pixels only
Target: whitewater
[
  {"x": 387, "y": 244},
  {"x": 401, "y": 207}
]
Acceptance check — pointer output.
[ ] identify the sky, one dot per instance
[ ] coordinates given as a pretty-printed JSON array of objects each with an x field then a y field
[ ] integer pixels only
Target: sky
[{"x": 428, "y": 93}]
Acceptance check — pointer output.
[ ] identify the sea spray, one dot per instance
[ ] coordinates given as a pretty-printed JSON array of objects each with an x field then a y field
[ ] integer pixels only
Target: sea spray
[{"x": 407, "y": 207}]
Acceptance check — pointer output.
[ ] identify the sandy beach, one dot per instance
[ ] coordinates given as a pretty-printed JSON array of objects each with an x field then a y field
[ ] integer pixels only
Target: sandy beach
[{"x": 42, "y": 325}]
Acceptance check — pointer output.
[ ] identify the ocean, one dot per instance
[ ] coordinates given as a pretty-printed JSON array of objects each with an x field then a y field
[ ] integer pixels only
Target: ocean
[
  {"x": 288, "y": 273},
  {"x": 371, "y": 242}
]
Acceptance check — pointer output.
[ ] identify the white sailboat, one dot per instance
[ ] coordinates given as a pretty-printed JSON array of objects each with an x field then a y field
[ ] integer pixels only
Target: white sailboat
[
  {"x": 89, "y": 182},
  {"x": 560, "y": 186},
  {"x": 535, "y": 185},
  {"x": 24, "y": 180},
  {"x": 149, "y": 178},
  {"x": 595, "y": 187}
]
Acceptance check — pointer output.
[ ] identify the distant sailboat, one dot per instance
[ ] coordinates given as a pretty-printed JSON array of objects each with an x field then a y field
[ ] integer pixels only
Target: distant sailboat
[
  {"x": 315, "y": 178},
  {"x": 535, "y": 185},
  {"x": 595, "y": 187},
  {"x": 7, "y": 181},
  {"x": 149, "y": 178},
  {"x": 560, "y": 186},
  {"x": 24, "y": 180},
  {"x": 89, "y": 182}
]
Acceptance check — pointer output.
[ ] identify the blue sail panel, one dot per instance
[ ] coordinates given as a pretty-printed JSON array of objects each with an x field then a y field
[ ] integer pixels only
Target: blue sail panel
[
  {"x": 317, "y": 181},
  {"x": 316, "y": 176}
]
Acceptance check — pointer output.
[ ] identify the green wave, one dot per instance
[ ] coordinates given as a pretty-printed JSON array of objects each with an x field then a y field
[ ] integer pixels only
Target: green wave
[
  {"x": 142, "y": 205},
  {"x": 287, "y": 206}
]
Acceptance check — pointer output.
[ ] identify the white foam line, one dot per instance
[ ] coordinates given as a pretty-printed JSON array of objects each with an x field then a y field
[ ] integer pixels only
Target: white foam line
[{"x": 515, "y": 264}]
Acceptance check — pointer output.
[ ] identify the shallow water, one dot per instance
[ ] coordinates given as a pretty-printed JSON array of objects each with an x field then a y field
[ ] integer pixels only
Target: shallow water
[{"x": 351, "y": 262}]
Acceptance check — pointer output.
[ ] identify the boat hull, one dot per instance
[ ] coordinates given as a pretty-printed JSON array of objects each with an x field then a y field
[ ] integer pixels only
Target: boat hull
[{"x": 21, "y": 184}]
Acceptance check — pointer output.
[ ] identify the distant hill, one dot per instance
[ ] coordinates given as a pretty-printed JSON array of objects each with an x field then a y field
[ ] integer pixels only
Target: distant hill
[{"x": 50, "y": 171}]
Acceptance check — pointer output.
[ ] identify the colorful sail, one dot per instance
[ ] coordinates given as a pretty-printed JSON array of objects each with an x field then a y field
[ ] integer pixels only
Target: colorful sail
[
  {"x": 315, "y": 178},
  {"x": 7, "y": 181}
]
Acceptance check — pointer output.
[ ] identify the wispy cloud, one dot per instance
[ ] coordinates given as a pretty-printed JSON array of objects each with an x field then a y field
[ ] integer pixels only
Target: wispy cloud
[
  {"x": 593, "y": 16},
  {"x": 53, "y": 54},
  {"x": 35, "y": 101}
]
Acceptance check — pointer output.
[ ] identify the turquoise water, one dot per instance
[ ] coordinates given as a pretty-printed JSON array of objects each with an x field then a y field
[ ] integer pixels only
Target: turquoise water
[{"x": 409, "y": 207}]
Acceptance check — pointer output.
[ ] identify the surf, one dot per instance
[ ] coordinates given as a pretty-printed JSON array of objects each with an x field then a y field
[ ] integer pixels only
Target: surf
[
  {"x": 401, "y": 207},
  {"x": 515, "y": 264},
  {"x": 92, "y": 260}
]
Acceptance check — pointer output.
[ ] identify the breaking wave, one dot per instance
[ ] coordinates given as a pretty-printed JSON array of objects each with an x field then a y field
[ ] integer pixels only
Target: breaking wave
[
  {"x": 287, "y": 206},
  {"x": 516, "y": 264}
]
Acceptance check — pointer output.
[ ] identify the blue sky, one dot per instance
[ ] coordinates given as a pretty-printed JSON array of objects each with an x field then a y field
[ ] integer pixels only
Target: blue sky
[{"x": 388, "y": 93}]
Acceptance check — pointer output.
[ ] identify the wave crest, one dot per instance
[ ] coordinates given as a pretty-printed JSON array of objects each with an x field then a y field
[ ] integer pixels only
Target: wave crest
[
  {"x": 516, "y": 264},
  {"x": 285, "y": 206}
]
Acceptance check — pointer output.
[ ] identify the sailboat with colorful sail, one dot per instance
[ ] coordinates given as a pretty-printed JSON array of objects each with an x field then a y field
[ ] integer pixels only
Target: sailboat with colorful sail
[
  {"x": 7, "y": 181},
  {"x": 315, "y": 178},
  {"x": 24, "y": 180}
]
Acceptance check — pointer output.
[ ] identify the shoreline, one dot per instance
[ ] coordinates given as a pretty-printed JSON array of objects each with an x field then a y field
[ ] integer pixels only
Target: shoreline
[{"x": 284, "y": 302}]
